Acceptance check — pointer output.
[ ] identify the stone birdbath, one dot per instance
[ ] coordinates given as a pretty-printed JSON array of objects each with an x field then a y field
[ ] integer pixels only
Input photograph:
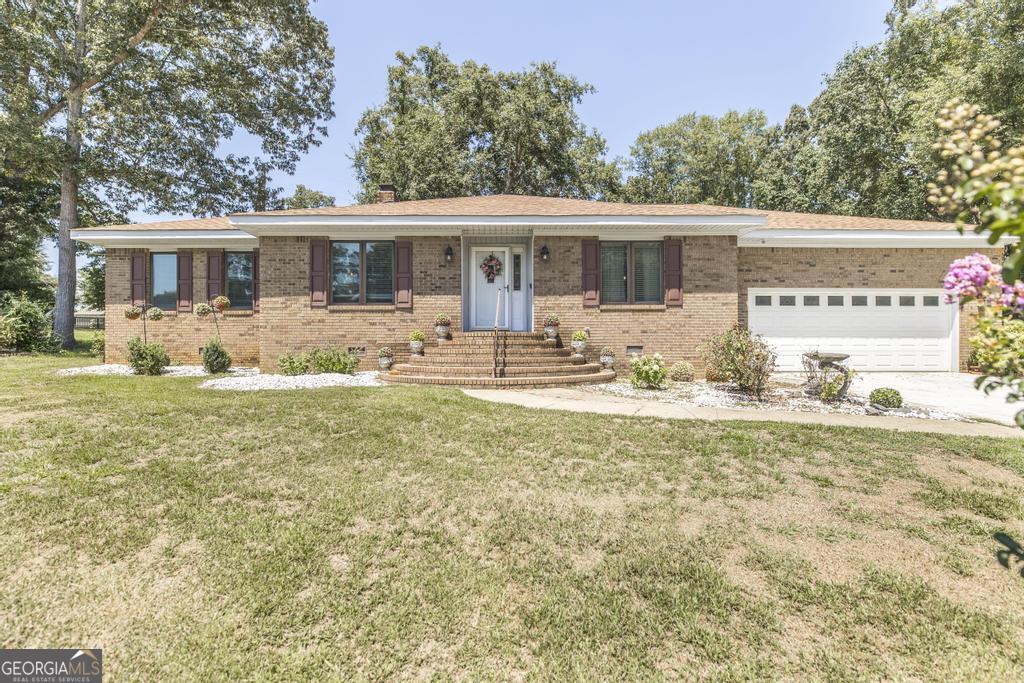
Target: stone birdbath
[{"x": 816, "y": 362}]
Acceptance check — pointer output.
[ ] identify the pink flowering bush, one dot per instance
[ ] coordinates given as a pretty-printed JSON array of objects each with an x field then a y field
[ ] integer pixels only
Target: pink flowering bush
[{"x": 976, "y": 277}]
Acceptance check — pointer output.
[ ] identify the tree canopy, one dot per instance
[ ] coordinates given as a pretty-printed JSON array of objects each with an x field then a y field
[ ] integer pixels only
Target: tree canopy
[
  {"x": 448, "y": 130},
  {"x": 132, "y": 100}
]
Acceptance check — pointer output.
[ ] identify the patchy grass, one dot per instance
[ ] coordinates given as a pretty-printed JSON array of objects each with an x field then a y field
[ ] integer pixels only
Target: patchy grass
[{"x": 410, "y": 532}]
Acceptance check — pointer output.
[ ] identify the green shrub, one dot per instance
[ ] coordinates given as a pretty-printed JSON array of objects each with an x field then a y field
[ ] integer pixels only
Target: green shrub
[
  {"x": 682, "y": 371},
  {"x": 886, "y": 397},
  {"x": 741, "y": 358},
  {"x": 830, "y": 383},
  {"x": 579, "y": 335},
  {"x": 216, "y": 358},
  {"x": 332, "y": 360},
  {"x": 417, "y": 335},
  {"x": 293, "y": 364},
  {"x": 648, "y": 372},
  {"x": 147, "y": 359},
  {"x": 98, "y": 344},
  {"x": 24, "y": 326}
]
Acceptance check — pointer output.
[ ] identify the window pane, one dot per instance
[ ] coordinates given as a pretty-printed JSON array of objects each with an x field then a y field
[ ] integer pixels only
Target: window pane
[
  {"x": 345, "y": 272},
  {"x": 380, "y": 282},
  {"x": 647, "y": 273},
  {"x": 859, "y": 300},
  {"x": 883, "y": 301},
  {"x": 762, "y": 300},
  {"x": 239, "y": 279},
  {"x": 931, "y": 301},
  {"x": 811, "y": 301},
  {"x": 787, "y": 300},
  {"x": 613, "y": 273},
  {"x": 517, "y": 272},
  {"x": 164, "y": 280},
  {"x": 906, "y": 301},
  {"x": 835, "y": 301}
]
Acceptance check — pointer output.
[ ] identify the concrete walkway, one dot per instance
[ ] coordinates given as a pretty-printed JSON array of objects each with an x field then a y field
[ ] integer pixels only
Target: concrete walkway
[{"x": 587, "y": 402}]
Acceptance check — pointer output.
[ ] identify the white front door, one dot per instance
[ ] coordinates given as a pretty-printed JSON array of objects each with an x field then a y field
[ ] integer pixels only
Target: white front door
[{"x": 490, "y": 298}]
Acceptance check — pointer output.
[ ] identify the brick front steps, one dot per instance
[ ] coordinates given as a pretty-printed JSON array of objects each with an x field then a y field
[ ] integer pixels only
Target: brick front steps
[{"x": 525, "y": 359}]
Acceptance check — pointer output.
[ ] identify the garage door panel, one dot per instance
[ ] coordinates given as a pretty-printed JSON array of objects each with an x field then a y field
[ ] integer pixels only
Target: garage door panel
[{"x": 876, "y": 337}]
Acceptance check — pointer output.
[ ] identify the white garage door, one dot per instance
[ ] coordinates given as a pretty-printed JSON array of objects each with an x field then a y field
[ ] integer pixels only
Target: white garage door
[{"x": 881, "y": 329}]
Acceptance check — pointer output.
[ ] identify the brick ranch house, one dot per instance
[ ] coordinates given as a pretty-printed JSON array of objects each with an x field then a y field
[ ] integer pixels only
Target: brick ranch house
[{"x": 639, "y": 278}]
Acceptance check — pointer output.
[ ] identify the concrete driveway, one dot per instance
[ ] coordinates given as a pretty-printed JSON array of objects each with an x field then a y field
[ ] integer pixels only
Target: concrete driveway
[{"x": 952, "y": 391}]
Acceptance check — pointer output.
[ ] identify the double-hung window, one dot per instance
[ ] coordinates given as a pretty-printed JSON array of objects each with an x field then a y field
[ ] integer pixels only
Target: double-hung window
[
  {"x": 238, "y": 276},
  {"x": 631, "y": 273},
  {"x": 362, "y": 272},
  {"x": 163, "y": 270}
]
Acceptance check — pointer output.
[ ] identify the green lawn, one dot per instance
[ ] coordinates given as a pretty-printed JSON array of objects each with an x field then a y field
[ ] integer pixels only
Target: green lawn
[{"x": 408, "y": 532}]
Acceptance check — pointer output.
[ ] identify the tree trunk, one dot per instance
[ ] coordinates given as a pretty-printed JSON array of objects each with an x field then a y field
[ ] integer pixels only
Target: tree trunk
[{"x": 64, "y": 311}]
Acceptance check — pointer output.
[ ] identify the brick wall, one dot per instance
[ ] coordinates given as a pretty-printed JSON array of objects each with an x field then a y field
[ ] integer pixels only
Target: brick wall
[
  {"x": 288, "y": 324},
  {"x": 182, "y": 333},
  {"x": 883, "y": 268},
  {"x": 709, "y": 301}
]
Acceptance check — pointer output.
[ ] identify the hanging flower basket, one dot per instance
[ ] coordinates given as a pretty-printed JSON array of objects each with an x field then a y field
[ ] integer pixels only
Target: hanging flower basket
[{"x": 491, "y": 267}]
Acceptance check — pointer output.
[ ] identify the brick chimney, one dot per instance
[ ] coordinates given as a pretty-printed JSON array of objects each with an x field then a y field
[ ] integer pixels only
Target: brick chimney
[{"x": 385, "y": 194}]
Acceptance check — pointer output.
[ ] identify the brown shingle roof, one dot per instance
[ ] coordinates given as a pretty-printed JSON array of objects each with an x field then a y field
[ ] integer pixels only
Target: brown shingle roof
[
  {"x": 218, "y": 223},
  {"x": 788, "y": 220},
  {"x": 512, "y": 205}
]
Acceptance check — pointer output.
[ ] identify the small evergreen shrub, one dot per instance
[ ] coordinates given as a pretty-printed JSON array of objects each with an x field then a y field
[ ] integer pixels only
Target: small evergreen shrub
[
  {"x": 216, "y": 358},
  {"x": 886, "y": 397},
  {"x": 147, "y": 359},
  {"x": 648, "y": 372},
  {"x": 682, "y": 371},
  {"x": 24, "y": 326},
  {"x": 332, "y": 360},
  {"x": 579, "y": 335},
  {"x": 417, "y": 335},
  {"x": 97, "y": 345},
  {"x": 293, "y": 364}
]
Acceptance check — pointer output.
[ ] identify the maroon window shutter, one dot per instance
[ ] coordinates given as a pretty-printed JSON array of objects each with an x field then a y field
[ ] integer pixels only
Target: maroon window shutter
[
  {"x": 673, "y": 268},
  {"x": 138, "y": 277},
  {"x": 403, "y": 274},
  {"x": 591, "y": 273},
  {"x": 255, "y": 280},
  {"x": 214, "y": 274},
  {"x": 184, "y": 281},
  {"x": 318, "y": 272}
]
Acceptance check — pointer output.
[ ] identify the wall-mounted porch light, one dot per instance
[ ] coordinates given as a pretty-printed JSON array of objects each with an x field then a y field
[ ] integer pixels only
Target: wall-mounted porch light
[
  {"x": 545, "y": 253},
  {"x": 448, "y": 253}
]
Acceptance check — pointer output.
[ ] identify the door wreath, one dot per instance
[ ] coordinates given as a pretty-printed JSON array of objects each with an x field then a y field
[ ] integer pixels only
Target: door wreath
[{"x": 491, "y": 267}]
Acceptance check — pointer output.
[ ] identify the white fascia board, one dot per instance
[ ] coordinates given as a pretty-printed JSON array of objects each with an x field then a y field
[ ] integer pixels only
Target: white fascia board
[
  {"x": 434, "y": 225},
  {"x": 167, "y": 239},
  {"x": 881, "y": 239}
]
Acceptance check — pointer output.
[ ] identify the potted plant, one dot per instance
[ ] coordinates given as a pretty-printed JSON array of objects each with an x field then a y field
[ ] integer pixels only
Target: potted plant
[
  {"x": 551, "y": 326},
  {"x": 579, "y": 342},
  {"x": 385, "y": 357},
  {"x": 416, "y": 340},
  {"x": 607, "y": 357},
  {"x": 442, "y": 325}
]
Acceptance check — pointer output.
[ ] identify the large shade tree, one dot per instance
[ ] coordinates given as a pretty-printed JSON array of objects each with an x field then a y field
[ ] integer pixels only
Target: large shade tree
[
  {"x": 133, "y": 100},
  {"x": 447, "y": 130}
]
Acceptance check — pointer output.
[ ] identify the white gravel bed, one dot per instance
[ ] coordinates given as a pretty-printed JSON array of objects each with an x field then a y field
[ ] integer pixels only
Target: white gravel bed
[
  {"x": 169, "y": 371},
  {"x": 709, "y": 394},
  {"x": 272, "y": 382}
]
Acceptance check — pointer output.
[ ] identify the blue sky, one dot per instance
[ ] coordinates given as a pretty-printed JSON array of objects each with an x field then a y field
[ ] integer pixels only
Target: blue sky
[{"x": 649, "y": 61}]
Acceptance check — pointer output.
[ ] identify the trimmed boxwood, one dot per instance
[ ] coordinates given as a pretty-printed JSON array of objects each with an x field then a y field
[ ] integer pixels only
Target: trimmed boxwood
[{"x": 886, "y": 397}]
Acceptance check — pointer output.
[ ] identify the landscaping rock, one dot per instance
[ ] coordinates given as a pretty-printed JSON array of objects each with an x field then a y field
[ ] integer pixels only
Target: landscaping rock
[{"x": 285, "y": 382}]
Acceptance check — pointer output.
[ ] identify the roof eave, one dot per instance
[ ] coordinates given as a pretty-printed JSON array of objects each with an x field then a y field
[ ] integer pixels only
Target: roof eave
[
  {"x": 898, "y": 239},
  {"x": 166, "y": 239}
]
